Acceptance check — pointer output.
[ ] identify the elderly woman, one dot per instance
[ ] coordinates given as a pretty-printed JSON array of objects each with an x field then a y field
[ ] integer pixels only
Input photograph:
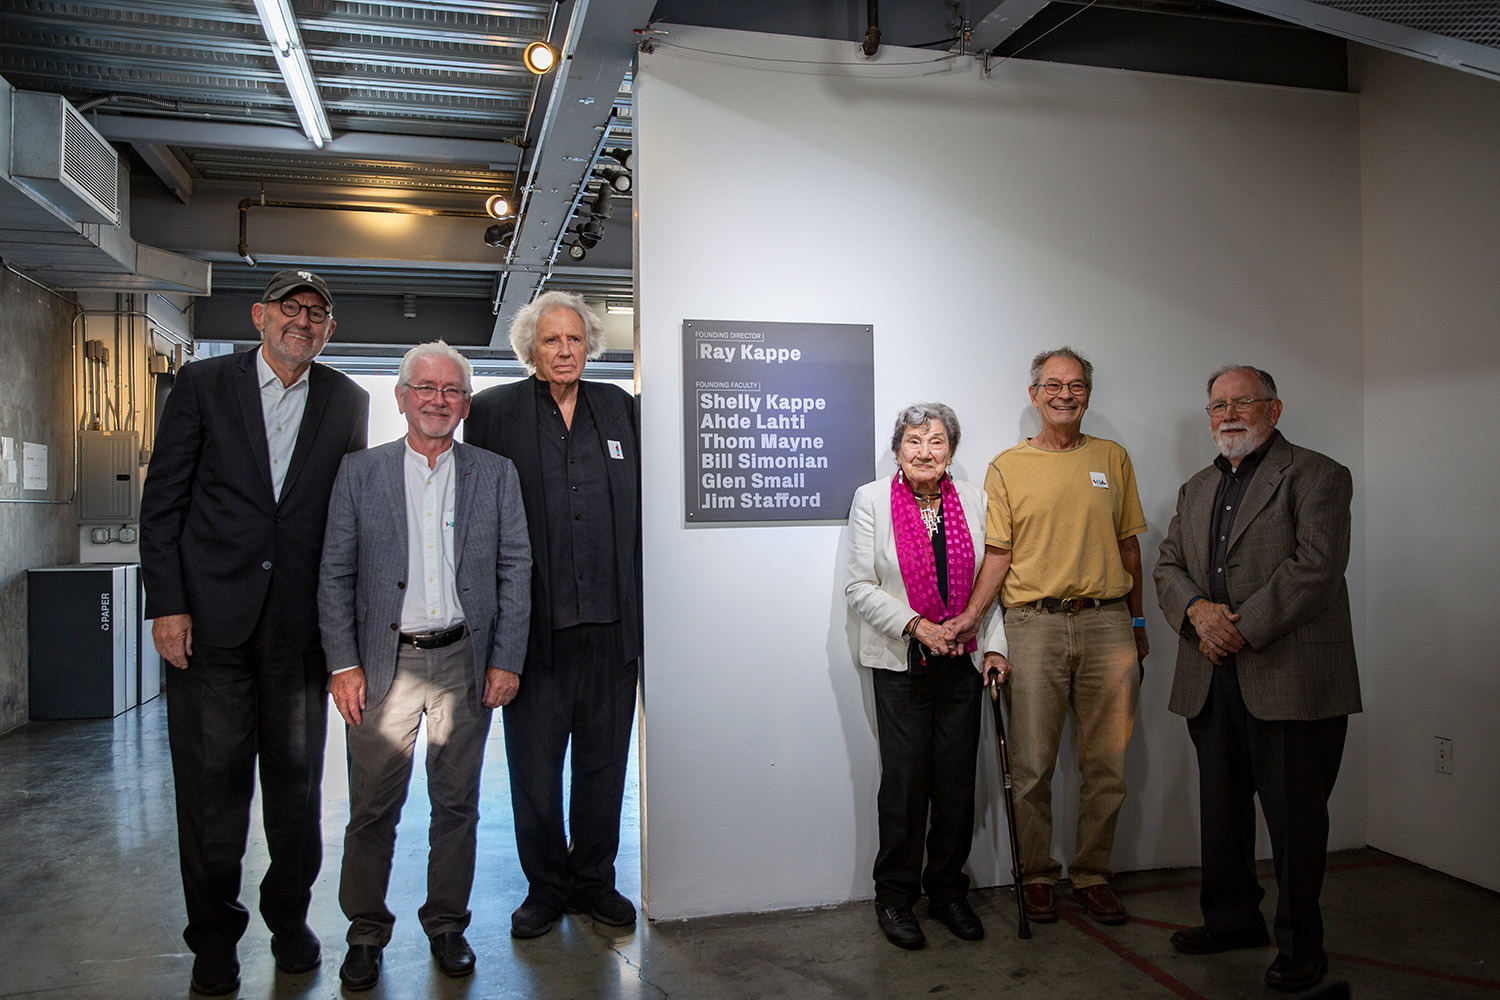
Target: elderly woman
[{"x": 916, "y": 540}]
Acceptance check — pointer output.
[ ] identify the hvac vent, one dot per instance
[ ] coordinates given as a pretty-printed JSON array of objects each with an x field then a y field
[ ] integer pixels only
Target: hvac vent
[{"x": 60, "y": 157}]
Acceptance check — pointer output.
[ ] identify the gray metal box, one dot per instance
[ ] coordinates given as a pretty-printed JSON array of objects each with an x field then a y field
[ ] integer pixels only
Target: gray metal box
[{"x": 109, "y": 481}]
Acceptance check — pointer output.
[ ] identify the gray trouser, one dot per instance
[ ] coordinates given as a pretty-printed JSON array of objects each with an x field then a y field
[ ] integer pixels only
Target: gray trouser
[{"x": 440, "y": 684}]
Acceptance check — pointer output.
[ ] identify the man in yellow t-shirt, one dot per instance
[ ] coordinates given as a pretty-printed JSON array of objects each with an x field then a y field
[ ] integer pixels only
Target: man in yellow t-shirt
[{"x": 1061, "y": 551}]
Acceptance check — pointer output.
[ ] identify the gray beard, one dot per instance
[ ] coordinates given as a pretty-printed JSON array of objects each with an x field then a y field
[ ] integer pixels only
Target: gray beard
[{"x": 1235, "y": 450}]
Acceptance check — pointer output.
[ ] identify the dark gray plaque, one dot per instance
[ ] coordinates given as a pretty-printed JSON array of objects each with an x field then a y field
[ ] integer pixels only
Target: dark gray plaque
[{"x": 779, "y": 418}]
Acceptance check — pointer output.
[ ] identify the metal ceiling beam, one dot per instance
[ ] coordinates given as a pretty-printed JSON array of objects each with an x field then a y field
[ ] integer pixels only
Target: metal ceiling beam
[
  {"x": 354, "y": 145},
  {"x": 165, "y": 164},
  {"x": 598, "y": 53},
  {"x": 1455, "y": 53},
  {"x": 992, "y": 29}
]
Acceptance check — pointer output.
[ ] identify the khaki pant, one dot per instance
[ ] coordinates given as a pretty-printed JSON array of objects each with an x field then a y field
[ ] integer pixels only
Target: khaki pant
[{"x": 1085, "y": 659}]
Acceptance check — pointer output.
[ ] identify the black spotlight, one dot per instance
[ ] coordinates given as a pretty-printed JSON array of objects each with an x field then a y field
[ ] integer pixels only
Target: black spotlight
[
  {"x": 616, "y": 178},
  {"x": 576, "y": 251},
  {"x": 590, "y": 233},
  {"x": 602, "y": 207},
  {"x": 624, "y": 157},
  {"x": 501, "y": 233}
]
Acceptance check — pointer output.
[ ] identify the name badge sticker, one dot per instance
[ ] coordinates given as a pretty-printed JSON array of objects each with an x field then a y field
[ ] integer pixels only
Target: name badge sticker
[
  {"x": 615, "y": 451},
  {"x": 1097, "y": 478}
]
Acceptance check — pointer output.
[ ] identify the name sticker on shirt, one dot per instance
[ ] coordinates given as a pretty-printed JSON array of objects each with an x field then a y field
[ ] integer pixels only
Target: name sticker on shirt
[
  {"x": 615, "y": 451},
  {"x": 1097, "y": 478},
  {"x": 448, "y": 523}
]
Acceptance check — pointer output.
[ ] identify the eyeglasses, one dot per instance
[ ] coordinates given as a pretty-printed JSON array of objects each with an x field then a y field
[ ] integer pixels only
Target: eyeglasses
[
  {"x": 315, "y": 314},
  {"x": 1240, "y": 404},
  {"x": 1052, "y": 387},
  {"x": 429, "y": 392}
]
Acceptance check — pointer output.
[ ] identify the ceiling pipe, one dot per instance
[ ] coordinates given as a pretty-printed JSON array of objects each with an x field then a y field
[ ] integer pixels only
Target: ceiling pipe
[{"x": 872, "y": 33}]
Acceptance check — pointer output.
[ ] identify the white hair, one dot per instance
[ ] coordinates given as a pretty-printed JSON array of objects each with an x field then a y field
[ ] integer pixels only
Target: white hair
[
  {"x": 435, "y": 349},
  {"x": 523, "y": 327}
]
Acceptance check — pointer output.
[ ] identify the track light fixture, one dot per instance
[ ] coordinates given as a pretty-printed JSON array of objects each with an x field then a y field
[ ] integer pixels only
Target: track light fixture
[
  {"x": 501, "y": 233},
  {"x": 497, "y": 206},
  {"x": 616, "y": 178},
  {"x": 540, "y": 58},
  {"x": 576, "y": 251},
  {"x": 590, "y": 233},
  {"x": 602, "y": 207},
  {"x": 624, "y": 157}
]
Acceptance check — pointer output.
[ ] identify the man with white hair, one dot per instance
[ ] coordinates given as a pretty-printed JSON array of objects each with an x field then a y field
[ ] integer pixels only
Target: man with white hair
[
  {"x": 1251, "y": 575},
  {"x": 574, "y": 446},
  {"x": 424, "y": 600}
]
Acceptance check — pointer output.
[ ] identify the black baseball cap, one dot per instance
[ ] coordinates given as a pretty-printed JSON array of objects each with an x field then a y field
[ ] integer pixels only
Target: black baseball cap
[{"x": 284, "y": 283}]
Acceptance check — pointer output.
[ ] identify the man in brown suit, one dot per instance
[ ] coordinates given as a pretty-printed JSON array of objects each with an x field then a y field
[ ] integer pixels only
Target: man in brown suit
[{"x": 1252, "y": 576}]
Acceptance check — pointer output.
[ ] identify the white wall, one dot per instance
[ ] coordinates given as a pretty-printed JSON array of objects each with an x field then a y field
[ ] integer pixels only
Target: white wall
[
  {"x": 1162, "y": 225},
  {"x": 1430, "y": 148}
]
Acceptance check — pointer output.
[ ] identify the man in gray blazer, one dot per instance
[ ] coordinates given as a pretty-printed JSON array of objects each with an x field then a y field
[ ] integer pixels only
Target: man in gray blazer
[
  {"x": 424, "y": 602},
  {"x": 1252, "y": 576}
]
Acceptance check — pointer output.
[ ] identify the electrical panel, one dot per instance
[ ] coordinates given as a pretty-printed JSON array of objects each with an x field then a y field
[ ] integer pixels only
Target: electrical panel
[{"x": 109, "y": 477}]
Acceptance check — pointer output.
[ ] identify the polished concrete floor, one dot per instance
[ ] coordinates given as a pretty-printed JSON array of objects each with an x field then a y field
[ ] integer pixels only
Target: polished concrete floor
[{"x": 90, "y": 906}]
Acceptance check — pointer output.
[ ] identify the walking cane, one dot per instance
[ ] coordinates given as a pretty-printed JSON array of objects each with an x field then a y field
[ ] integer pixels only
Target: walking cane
[{"x": 1023, "y": 928}]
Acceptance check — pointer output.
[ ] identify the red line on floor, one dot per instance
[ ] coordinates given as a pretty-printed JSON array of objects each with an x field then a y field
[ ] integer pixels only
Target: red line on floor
[
  {"x": 1268, "y": 876},
  {"x": 1141, "y": 963},
  {"x": 1447, "y": 977}
]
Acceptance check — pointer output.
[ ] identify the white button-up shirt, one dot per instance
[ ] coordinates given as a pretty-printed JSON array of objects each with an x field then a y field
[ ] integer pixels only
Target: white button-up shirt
[
  {"x": 431, "y": 602},
  {"x": 282, "y": 407}
]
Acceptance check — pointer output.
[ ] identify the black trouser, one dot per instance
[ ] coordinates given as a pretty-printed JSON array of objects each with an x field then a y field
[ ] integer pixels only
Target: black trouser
[
  {"x": 264, "y": 699},
  {"x": 586, "y": 695},
  {"x": 928, "y": 722},
  {"x": 1292, "y": 766}
]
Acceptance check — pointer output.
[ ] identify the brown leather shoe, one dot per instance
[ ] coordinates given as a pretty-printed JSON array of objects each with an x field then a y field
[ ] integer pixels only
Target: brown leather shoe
[
  {"x": 1101, "y": 902},
  {"x": 1041, "y": 905}
]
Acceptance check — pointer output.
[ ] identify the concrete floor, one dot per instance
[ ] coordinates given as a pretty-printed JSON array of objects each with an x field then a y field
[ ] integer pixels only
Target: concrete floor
[{"x": 90, "y": 906}]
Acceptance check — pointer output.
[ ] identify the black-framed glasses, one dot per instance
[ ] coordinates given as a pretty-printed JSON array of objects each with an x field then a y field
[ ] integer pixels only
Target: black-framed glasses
[
  {"x": 430, "y": 392},
  {"x": 1052, "y": 387},
  {"x": 315, "y": 314},
  {"x": 1240, "y": 404}
]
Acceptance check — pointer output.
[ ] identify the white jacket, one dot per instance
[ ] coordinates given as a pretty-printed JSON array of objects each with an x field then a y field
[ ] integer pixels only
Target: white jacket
[{"x": 875, "y": 589}]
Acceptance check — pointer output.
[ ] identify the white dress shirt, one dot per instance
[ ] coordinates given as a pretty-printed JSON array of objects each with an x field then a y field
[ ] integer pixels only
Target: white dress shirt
[
  {"x": 282, "y": 407},
  {"x": 431, "y": 602}
]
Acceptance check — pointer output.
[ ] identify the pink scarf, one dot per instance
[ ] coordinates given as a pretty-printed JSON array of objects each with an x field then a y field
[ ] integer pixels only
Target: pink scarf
[{"x": 914, "y": 554}]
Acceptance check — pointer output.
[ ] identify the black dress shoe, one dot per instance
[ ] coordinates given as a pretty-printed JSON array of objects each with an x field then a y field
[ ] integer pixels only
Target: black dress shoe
[
  {"x": 900, "y": 926},
  {"x": 215, "y": 977},
  {"x": 533, "y": 919},
  {"x": 1202, "y": 941},
  {"x": 958, "y": 916},
  {"x": 1291, "y": 975},
  {"x": 361, "y": 968},
  {"x": 298, "y": 952},
  {"x": 453, "y": 954},
  {"x": 608, "y": 907}
]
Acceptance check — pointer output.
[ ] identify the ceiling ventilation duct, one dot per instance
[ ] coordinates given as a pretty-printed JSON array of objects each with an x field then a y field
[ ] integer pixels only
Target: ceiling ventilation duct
[{"x": 59, "y": 156}]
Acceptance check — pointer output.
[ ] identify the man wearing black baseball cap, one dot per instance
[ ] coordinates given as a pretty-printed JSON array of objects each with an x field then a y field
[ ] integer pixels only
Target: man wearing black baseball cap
[{"x": 232, "y": 520}]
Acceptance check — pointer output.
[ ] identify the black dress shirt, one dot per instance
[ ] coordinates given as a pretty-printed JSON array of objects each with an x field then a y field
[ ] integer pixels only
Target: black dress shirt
[
  {"x": 1233, "y": 482},
  {"x": 580, "y": 519}
]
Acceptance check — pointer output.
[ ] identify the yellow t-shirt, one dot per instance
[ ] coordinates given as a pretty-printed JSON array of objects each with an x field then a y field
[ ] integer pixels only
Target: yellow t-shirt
[{"x": 1062, "y": 514}]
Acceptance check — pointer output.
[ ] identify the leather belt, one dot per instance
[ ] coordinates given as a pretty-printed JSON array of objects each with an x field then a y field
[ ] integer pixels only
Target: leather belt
[
  {"x": 434, "y": 640},
  {"x": 1050, "y": 604}
]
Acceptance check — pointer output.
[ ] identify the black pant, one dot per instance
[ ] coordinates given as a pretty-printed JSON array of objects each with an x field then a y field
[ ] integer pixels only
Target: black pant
[
  {"x": 264, "y": 699},
  {"x": 1292, "y": 766},
  {"x": 586, "y": 695},
  {"x": 928, "y": 722}
]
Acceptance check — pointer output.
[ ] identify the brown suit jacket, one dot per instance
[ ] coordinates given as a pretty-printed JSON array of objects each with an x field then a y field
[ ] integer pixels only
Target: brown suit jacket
[{"x": 1288, "y": 551}]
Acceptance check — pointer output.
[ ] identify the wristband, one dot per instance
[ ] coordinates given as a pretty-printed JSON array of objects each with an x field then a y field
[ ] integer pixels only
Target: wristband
[
  {"x": 1138, "y": 622},
  {"x": 1190, "y": 602}
]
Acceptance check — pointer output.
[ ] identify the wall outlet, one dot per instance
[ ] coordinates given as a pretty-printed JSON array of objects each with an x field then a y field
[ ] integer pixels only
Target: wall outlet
[{"x": 1443, "y": 756}]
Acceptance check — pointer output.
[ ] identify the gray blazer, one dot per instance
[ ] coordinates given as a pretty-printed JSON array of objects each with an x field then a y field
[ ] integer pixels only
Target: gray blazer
[
  {"x": 1288, "y": 551},
  {"x": 362, "y": 585}
]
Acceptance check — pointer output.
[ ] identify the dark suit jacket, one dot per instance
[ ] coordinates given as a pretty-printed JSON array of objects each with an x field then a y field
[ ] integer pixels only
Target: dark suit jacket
[
  {"x": 1287, "y": 553},
  {"x": 362, "y": 588},
  {"x": 214, "y": 541},
  {"x": 503, "y": 419}
]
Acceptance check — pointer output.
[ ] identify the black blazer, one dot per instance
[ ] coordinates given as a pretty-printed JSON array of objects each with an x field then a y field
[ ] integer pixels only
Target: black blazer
[
  {"x": 214, "y": 541},
  {"x": 503, "y": 419}
]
